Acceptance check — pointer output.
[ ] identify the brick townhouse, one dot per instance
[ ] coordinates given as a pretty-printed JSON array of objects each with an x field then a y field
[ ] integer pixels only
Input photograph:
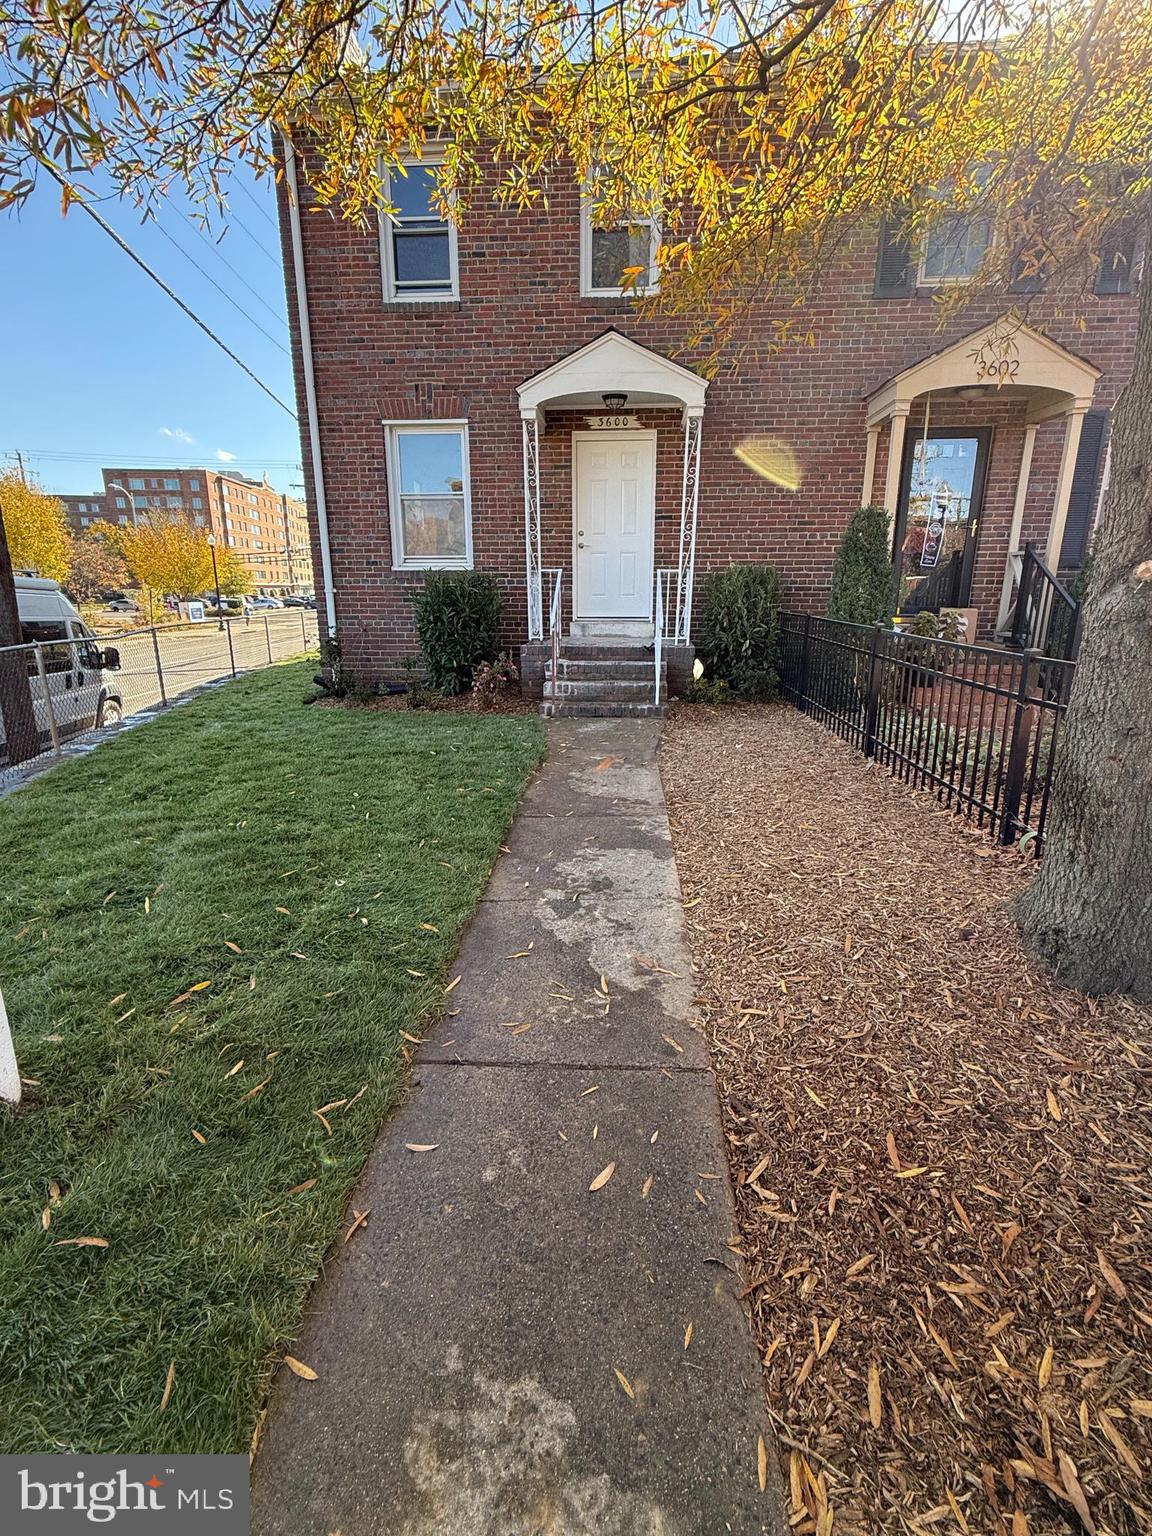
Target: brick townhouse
[
  {"x": 266, "y": 529},
  {"x": 482, "y": 394}
]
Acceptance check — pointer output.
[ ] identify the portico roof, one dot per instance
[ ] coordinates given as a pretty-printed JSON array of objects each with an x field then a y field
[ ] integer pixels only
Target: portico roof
[
  {"x": 1009, "y": 359},
  {"x": 612, "y": 363}
]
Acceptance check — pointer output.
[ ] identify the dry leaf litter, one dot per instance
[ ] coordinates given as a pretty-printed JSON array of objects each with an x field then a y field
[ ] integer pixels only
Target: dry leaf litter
[{"x": 942, "y": 1160}]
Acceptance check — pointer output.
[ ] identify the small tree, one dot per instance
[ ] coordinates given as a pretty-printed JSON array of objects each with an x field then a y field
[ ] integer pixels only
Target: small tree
[
  {"x": 168, "y": 556},
  {"x": 863, "y": 579},
  {"x": 95, "y": 567},
  {"x": 38, "y": 537}
]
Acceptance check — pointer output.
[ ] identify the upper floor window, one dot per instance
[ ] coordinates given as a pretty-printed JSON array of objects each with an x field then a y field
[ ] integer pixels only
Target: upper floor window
[
  {"x": 197, "y": 502},
  {"x": 955, "y": 243},
  {"x": 135, "y": 485},
  {"x": 418, "y": 242},
  {"x": 194, "y": 483},
  {"x": 618, "y": 259},
  {"x": 428, "y": 494},
  {"x": 120, "y": 502},
  {"x": 171, "y": 484}
]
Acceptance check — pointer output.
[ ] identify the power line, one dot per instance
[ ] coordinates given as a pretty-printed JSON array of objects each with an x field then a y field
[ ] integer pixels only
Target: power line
[
  {"x": 112, "y": 234},
  {"x": 208, "y": 278},
  {"x": 144, "y": 460},
  {"x": 235, "y": 218},
  {"x": 214, "y": 245},
  {"x": 256, "y": 203}
]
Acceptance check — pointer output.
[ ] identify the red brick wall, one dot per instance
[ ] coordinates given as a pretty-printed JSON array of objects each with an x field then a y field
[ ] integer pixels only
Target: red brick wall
[{"x": 520, "y": 310}]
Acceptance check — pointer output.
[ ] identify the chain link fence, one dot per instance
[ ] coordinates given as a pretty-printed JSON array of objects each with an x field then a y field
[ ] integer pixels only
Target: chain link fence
[{"x": 57, "y": 692}]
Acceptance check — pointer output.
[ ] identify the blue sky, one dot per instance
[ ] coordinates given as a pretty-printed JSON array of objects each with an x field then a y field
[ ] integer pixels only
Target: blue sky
[{"x": 102, "y": 368}]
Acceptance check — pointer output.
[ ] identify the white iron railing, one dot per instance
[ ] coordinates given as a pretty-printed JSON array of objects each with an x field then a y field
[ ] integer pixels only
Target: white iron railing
[
  {"x": 661, "y": 615},
  {"x": 555, "y": 619}
]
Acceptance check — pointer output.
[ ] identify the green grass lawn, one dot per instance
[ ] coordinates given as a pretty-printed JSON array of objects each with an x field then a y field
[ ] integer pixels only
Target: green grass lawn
[{"x": 315, "y": 868}]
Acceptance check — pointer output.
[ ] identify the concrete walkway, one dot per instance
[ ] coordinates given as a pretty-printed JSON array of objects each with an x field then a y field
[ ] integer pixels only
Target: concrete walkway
[{"x": 501, "y": 1351}]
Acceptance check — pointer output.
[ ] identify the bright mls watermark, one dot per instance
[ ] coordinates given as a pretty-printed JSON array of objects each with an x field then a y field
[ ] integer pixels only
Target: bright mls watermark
[{"x": 150, "y": 1495}]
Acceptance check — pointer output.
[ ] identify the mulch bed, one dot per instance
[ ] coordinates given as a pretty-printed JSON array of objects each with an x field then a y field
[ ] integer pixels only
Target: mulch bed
[
  {"x": 942, "y": 1160},
  {"x": 509, "y": 703}
]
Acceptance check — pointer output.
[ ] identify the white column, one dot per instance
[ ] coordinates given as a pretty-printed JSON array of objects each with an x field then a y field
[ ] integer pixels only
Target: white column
[
  {"x": 1064, "y": 483},
  {"x": 689, "y": 509},
  {"x": 1010, "y": 565},
  {"x": 895, "y": 463},
  {"x": 869, "y": 466},
  {"x": 532, "y": 539}
]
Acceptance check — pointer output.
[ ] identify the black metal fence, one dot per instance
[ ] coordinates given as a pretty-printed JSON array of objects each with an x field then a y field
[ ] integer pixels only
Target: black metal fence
[{"x": 980, "y": 727}]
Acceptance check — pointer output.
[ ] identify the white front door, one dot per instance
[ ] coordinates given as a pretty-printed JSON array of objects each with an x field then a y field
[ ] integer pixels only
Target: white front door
[{"x": 614, "y": 475}]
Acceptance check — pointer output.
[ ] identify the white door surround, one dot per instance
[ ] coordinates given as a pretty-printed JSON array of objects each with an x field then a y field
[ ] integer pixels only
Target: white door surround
[
  {"x": 612, "y": 362},
  {"x": 613, "y": 528}
]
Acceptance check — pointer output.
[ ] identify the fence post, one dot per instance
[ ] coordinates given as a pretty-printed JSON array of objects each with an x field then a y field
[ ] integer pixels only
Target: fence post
[
  {"x": 872, "y": 692},
  {"x": 52, "y": 731},
  {"x": 226, "y": 624},
  {"x": 1017, "y": 753},
  {"x": 303, "y": 628},
  {"x": 268, "y": 639},
  {"x": 159, "y": 668},
  {"x": 802, "y": 688}
]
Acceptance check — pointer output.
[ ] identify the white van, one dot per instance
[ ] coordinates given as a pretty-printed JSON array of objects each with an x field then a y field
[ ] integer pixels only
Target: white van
[{"x": 77, "y": 670}]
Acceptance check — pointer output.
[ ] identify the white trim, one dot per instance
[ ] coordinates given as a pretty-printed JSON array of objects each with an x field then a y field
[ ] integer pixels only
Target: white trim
[
  {"x": 392, "y": 431},
  {"x": 311, "y": 411},
  {"x": 614, "y": 361},
  {"x": 1011, "y": 569},
  {"x": 643, "y": 434},
  {"x": 639, "y": 290},
  {"x": 394, "y": 294}
]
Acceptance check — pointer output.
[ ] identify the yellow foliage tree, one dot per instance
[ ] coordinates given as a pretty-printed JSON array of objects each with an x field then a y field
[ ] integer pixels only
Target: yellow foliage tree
[
  {"x": 168, "y": 556},
  {"x": 38, "y": 536}
]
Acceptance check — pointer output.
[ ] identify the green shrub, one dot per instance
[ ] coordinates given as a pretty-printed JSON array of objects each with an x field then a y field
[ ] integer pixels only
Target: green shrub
[
  {"x": 457, "y": 615},
  {"x": 863, "y": 581},
  {"x": 736, "y": 634}
]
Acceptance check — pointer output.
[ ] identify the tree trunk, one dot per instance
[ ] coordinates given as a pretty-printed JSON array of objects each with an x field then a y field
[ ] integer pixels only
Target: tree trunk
[
  {"x": 21, "y": 738},
  {"x": 1088, "y": 913}
]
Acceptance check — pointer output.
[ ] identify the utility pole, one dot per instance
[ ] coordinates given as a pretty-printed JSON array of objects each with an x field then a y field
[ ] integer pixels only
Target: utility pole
[{"x": 21, "y": 735}]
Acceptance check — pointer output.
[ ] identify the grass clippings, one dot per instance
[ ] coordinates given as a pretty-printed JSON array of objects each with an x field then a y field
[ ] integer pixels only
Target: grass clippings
[
  {"x": 216, "y": 934},
  {"x": 942, "y": 1159}
]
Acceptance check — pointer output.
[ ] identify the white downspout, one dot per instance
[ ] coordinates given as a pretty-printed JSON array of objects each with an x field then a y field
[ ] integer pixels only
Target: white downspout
[{"x": 309, "y": 382}]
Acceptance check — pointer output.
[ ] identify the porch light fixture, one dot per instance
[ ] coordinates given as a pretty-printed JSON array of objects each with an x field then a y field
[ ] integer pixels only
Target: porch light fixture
[
  {"x": 614, "y": 401},
  {"x": 972, "y": 392}
]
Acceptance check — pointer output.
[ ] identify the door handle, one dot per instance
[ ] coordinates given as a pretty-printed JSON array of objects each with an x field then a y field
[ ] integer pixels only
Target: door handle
[{"x": 580, "y": 545}]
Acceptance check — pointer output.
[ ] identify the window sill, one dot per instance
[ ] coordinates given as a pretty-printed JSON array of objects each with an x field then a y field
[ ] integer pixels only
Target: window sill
[
  {"x": 434, "y": 565},
  {"x": 411, "y": 304}
]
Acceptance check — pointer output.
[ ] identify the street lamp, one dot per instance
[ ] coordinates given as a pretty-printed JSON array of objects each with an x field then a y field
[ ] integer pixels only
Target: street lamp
[
  {"x": 216, "y": 578},
  {"x": 114, "y": 485}
]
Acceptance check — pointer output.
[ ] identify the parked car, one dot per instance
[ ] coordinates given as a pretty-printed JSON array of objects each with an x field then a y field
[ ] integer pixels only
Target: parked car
[
  {"x": 122, "y": 605},
  {"x": 77, "y": 681},
  {"x": 293, "y": 600},
  {"x": 262, "y": 604}
]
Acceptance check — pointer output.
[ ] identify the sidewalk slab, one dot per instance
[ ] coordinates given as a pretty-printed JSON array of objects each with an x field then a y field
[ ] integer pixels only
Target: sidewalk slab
[
  {"x": 501, "y": 1351},
  {"x": 467, "y": 1340},
  {"x": 629, "y": 857},
  {"x": 590, "y": 978}
]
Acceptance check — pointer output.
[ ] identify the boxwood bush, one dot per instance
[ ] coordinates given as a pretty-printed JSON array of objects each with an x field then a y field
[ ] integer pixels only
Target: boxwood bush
[
  {"x": 457, "y": 616},
  {"x": 736, "y": 632}
]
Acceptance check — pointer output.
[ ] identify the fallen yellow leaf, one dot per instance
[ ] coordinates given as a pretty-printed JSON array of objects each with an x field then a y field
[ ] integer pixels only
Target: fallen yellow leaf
[
  {"x": 625, "y": 1383},
  {"x": 298, "y": 1368},
  {"x": 81, "y": 1242},
  {"x": 602, "y": 1177},
  {"x": 421, "y": 1146}
]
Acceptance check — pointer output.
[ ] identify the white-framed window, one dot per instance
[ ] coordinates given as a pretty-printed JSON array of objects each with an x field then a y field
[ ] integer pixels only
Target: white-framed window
[
  {"x": 429, "y": 498},
  {"x": 140, "y": 503},
  {"x": 954, "y": 244},
  {"x": 197, "y": 502},
  {"x": 194, "y": 483},
  {"x": 610, "y": 253},
  {"x": 173, "y": 501},
  {"x": 417, "y": 243},
  {"x": 135, "y": 484},
  {"x": 171, "y": 484},
  {"x": 120, "y": 502}
]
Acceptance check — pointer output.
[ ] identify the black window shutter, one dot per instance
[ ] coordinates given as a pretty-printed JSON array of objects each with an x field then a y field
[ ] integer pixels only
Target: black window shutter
[
  {"x": 895, "y": 260},
  {"x": 1023, "y": 280},
  {"x": 1117, "y": 255},
  {"x": 1083, "y": 495}
]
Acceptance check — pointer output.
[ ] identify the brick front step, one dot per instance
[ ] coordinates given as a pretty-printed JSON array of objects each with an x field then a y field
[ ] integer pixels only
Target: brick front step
[{"x": 577, "y": 669}]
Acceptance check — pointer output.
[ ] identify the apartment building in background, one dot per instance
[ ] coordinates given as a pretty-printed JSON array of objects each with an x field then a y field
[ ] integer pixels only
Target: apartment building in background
[{"x": 266, "y": 529}]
